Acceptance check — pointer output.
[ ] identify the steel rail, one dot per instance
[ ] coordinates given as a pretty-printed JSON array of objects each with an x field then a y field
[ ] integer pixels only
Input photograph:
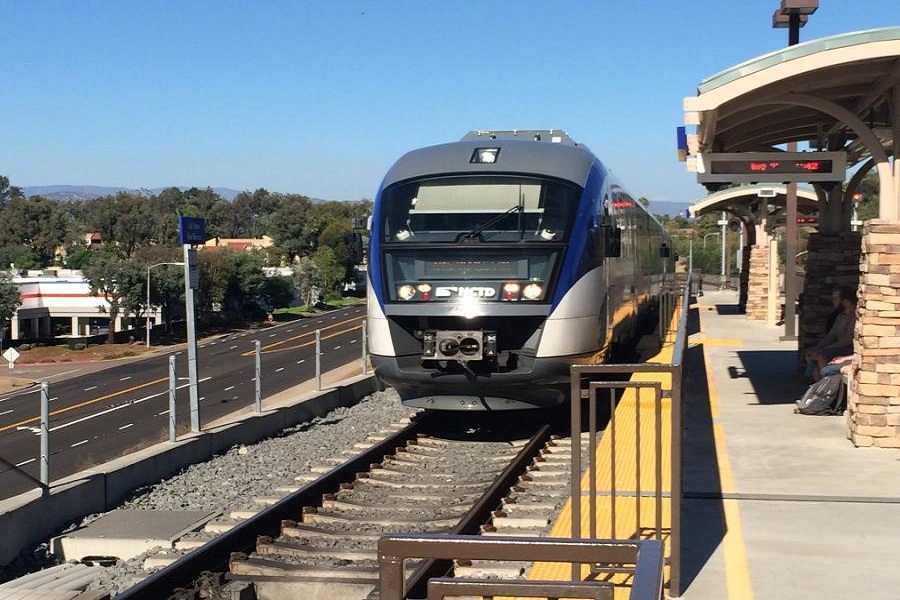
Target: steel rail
[
  {"x": 215, "y": 554},
  {"x": 479, "y": 514}
]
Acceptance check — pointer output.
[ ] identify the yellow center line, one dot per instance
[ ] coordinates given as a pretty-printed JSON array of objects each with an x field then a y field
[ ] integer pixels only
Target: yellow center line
[
  {"x": 310, "y": 343},
  {"x": 86, "y": 403},
  {"x": 302, "y": 335},
  {"x": 737, "y": 568}
]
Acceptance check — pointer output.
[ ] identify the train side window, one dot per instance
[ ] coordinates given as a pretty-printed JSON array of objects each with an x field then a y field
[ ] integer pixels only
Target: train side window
[{"x": 613, "y": 237}]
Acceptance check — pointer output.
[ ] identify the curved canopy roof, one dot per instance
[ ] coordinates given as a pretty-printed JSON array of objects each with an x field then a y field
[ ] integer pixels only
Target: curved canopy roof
[
  {"x": 744, "y": 199},
  {"x": 792, "y": 95}
]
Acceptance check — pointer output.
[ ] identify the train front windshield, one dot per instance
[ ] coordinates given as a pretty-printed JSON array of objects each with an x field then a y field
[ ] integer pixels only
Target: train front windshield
[{"x": 491, "y": 237}]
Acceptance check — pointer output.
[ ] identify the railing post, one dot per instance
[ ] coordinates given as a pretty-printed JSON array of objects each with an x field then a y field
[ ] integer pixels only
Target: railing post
[
  {"x": 362, "y": 359},
  {"x": 45, "y": 437},
  {"x": 318, "y": 360},
  {"x": 173, "y": 383},
  {"x": 258, "y": 347}
]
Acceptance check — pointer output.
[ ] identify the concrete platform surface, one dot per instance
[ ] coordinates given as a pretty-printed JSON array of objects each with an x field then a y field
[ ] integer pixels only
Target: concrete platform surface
[{"x": 777, "y": 505}]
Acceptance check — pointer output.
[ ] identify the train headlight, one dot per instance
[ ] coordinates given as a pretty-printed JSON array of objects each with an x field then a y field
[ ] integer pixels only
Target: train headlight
[
  {"x": 532, "y": 291},
  {"x": 511, "y": 291},
  {"x": 406, "y": 292}
]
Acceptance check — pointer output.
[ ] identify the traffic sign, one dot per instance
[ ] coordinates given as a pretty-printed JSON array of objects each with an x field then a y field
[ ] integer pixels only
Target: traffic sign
[
  {"x": 11, "y": 355},
  {"x": 191, "y": 230}
]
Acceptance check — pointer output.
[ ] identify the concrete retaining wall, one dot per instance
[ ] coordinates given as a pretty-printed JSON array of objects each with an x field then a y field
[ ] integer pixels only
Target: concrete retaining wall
[{"x": 30, "y": 519}]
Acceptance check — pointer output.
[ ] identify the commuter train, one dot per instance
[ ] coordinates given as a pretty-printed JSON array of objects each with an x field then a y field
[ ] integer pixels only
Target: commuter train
[{"x": 497, "y": 262}]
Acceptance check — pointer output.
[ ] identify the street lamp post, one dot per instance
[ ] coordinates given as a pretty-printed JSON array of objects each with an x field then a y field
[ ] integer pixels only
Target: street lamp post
[
  {"x": 147, "y": 307},
  {"x": 792, "y": 14}
]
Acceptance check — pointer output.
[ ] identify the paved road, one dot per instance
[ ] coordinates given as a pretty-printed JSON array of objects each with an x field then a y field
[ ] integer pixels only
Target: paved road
[{"x": 102, "y": 415}]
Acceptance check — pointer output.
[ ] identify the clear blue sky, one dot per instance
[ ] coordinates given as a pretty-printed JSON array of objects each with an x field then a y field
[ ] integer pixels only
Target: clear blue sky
[{"x": 321, "y": 97}]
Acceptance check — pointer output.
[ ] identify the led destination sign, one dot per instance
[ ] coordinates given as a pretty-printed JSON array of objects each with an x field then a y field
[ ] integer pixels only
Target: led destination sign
[
  {"x": 772, "y": 167},
  {"x": 732, "y": 167}
]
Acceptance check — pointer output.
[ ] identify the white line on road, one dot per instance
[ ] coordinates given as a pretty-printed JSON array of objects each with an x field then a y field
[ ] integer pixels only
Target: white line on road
[
  {"x": 125, "y": 378},
  {"x": 289, "y": 331},
  {"x": 126, "y": 426},
  {"x": 333, "y": 318},
  {"x": 53, "y": 398},
  {"x": 6, "y": 413},
  {"x": 78, "y": 443},
  {"x": 60, "y": 374},
  {"x": 353, "y": 341},
  {"x": 230, "y": 387},
  {"x": 93, "y": 387},
  {"x": 4, "y": 399},
  {"x": 272, "y": 335},
  {"x": 301, "y": 361},
  {"x": 279, "y": 369},
  {"x": 201, "y": 398},
  {"x": 337, "y": 347},
  {"x": 233, "y": 347},
  {"x": 165, "y": 412},
  {"x": 22, "y": 464}
]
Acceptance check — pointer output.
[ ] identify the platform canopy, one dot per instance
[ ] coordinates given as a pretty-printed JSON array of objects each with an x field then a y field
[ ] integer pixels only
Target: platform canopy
[
  {"x": 836, "y": 93},
  {"x": 746, "y": 198}
]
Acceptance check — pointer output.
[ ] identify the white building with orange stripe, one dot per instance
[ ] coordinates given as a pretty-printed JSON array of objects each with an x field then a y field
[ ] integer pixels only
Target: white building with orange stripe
[{"x": 60, "y": 304}]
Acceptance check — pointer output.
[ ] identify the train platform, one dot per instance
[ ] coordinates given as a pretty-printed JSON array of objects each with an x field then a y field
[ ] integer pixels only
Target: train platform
[{"x": 776, "y": 505}]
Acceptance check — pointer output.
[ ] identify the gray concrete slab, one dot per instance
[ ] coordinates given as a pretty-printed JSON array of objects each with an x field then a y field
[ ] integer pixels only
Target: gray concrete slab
[
  {"x": 815, "y": 517},
  {"x": 126, "y": 533}
]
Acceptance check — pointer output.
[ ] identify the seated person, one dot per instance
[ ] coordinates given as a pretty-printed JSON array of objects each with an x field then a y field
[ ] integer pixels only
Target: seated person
[
  {"x": 839, "y": 339},
  {"x": 836, "y": 365}
]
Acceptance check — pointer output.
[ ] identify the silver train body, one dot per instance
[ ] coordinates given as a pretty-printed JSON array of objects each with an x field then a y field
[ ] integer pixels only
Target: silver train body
[{"x": 497, "y": 262}]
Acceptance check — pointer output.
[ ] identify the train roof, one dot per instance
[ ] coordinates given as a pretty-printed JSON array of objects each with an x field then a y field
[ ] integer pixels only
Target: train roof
[{"x": 563, "y": 159}]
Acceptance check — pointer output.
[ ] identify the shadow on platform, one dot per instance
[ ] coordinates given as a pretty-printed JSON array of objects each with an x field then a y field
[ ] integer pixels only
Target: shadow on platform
[
  {"x": 773, "y": 375},
  {"x": 703, "y": 517}
]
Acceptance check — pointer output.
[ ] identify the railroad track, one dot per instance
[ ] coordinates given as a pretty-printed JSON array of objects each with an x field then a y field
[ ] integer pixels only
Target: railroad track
[{"x": 320, "y": 541}]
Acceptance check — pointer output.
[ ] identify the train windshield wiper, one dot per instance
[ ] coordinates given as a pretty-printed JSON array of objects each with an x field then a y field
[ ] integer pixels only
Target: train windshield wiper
[{"x": 492, "y": 221}]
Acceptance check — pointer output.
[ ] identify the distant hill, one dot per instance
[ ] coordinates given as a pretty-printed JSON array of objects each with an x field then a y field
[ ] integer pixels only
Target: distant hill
[
  {"x": 73, "y": 193},
  {"x": 673, "y": 209}
]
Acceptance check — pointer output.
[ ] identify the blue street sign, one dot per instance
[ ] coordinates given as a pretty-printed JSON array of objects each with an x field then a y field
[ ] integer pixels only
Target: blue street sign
[
  {"x": 681, "y": 137},
  {"x": 191, "y": 230}
]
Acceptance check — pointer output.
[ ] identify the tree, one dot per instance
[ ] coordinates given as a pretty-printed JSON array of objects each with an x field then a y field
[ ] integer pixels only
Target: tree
[
  {"x": 8, "y": 192},
  {"x": 9, "y": 297},
  {"x": 37, "y": 223},
  {"x": 289, "y": 226},
  {"x": 308, "y": 278},
  {"x": 119, "y": 281}
]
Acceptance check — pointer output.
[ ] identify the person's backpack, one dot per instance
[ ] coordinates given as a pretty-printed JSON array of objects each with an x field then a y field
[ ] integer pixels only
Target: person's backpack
[{"x": 824, "y": 397}]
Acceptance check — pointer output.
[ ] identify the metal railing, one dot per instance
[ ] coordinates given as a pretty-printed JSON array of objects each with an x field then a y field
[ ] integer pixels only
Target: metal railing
[
  {"x": 641, "y": 559},
  {"x": 587, "y": 383}
]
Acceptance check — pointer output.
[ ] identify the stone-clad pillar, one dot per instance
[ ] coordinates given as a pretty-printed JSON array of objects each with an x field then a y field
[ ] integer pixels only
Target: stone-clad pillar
[
  {"x": 832, "y": 261},
  {"x": 758, "y": 282},
  {"x": 874, "y": 398}
]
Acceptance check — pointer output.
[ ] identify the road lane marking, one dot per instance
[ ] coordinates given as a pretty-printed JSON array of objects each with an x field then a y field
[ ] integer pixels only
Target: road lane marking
[
  {"x": 34, "y": 430},
  {"x": 270, "y": 347},
  {"x": 337, "y": 347},
  {"x": 63, "y": 373},
  {"x": 289, "y": 330},
  {"x": 126, "y": 426},
  {"x": 229, "y": 388},
  {"x": 353, "y": 341},
  {"x": 125, "y": 378},
  {"x": 301, "y": 361},
  {"x": 93, "y": 387},
  {"x": 87, "y": 403},
  {"x": 78, "y": 443},
  {"x": 165, "y": 412},
  {"x": 23, "y": 463},
  {"x": 4, "y": 399},
  {"x": 7, "y": 412},
  {"x": 53, "y": 398},
  {"x": 233, "y": 347},
  {"x": 333, "y": 318},
  {"x": 273, "y": 335},
  {"x": 279, "y": 369}
]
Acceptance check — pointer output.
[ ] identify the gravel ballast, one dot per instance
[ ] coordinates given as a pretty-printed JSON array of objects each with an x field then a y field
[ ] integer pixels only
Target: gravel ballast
[{"x": 231, "y": 481}]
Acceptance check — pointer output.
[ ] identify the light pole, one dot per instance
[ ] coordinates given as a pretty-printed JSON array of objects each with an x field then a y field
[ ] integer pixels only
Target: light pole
[
  {"x": 147, "y": 307},
  {"x": 793, "y": 14},
  {"x": 715, "y": 233}
]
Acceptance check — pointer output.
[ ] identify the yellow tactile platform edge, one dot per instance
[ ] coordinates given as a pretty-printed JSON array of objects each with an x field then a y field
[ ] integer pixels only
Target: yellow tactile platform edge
[{"x": 626, "y": 525}]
